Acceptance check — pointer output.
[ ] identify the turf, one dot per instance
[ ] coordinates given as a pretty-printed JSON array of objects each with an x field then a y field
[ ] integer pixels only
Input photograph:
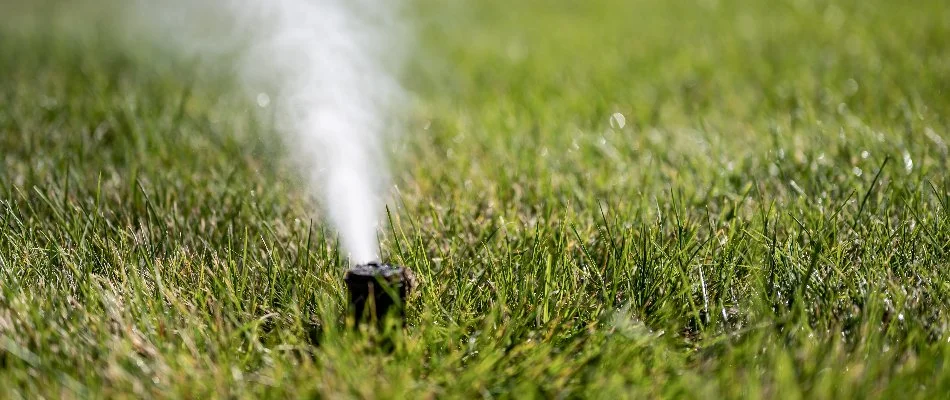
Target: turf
[{"x": 771, "y": 220}]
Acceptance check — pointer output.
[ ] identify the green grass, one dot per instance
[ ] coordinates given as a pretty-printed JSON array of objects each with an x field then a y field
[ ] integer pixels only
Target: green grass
[{"x": 772, "y": 221}]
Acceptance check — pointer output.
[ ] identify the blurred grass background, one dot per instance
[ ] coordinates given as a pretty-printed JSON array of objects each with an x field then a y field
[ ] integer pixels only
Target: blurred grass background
[{"x": 771, "y": 220}]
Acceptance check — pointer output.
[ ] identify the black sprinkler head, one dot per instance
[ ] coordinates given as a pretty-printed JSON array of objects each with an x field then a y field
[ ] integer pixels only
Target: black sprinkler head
[{"x": 378, "y": 289}]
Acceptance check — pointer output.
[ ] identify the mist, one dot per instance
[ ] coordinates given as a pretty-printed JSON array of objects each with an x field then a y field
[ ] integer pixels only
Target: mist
[{"x": 325, "y": 70}]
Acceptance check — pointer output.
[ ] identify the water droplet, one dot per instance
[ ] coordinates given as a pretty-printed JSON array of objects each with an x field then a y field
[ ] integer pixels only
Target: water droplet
[
  {"x": 900, "y": 317},
  {"x": 618, "y": 121},
  {"x": 842, "y": 108},
  {"x": 797, "y": 188},
  {"x": 908, "y": 162},
  {"x": 865, "y": 154},
  {"x": 851, "y": 87},
  {"x": 934, "y": 137},
  {"x": 857, "y": 171},
  {"x": 263, "y": 100}
]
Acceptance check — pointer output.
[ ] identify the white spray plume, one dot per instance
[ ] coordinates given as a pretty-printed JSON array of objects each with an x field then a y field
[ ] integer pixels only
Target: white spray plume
[{"x": 328, "y": 67}]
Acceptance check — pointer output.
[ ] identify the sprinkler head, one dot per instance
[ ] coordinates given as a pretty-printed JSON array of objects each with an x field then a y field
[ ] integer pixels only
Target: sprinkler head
[{"x": 378, "y": 289}]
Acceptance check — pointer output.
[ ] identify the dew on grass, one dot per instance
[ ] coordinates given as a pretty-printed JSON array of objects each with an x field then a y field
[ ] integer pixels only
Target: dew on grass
[
  {"x": 857, "y": 171},
  {"x": 797, "y": 188},
  {"x": 263, "y": 100},
  {"x": 618, "y": 121},
  {"x": 851, "y": 87},
  {"x": 936, "y": 139},
  {"x": 842, "y": 108},
  {"x": 865, "y": 154},
  {"x": 908, "y": 162}
]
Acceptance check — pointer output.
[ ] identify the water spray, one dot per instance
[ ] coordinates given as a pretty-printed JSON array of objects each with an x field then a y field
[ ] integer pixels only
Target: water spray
[{"x": 328, "y": 68}]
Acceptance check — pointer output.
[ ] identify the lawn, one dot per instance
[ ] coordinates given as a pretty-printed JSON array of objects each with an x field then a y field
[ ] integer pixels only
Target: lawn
[{"x": 771, "y": 219}]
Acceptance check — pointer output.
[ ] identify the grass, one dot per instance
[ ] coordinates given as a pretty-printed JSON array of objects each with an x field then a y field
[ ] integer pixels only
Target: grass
[{"x": 773, "y": 220}]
